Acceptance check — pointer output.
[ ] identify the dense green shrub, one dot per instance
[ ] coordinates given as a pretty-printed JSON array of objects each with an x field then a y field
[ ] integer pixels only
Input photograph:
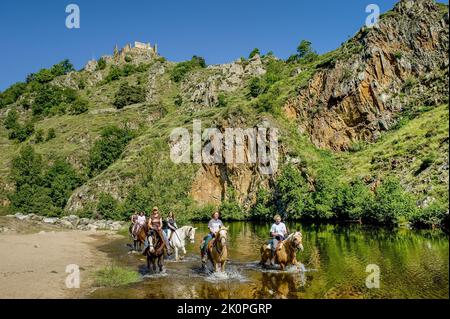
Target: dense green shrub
[
  {"x": 107, "y": 149},
  {"x": 230, "y": 209},
  {"x": 391, "y": 204},
  {"x": 39, "y": 136},
  {"x": 101, "y": 64},
  {"x": 38, "y": 189},
  {"x": 51, "y": 134},
  {"x": 353, "y": 199},
  {"x": 181, "y": 69},
  {"x": 11, "y": 120},
  {"x": 127, "y": 95},
  {"x": 79, "y": 106},
  {"x": 21, "y": 132},
  {"x": 107, "y": 207},
  {"x": 264, "y": 208},
  {"x": 61, "y": 179},
  {"x": 257, "y": 86},
  {"x": 47, "y": 75},
  {"x": 292, "y": 193},
  {"x": 434, "y": 215},
  {"x": 116, "y": 72},
  {"x": 11, "y": 94},
  {"x": 254, "y": 52},
  {"x": 52, "y": 99}
]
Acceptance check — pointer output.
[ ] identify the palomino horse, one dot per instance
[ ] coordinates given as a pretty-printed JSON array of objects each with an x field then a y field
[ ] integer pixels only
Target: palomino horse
[
  {"x": 285, "y": 253},
  {"x": 178, "y": 239},
  {"x": 155, "y": 250},
  {"x": 217, "y": 249}
]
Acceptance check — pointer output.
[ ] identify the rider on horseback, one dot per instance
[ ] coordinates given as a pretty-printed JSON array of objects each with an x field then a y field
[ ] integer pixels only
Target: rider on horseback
[
  {"x": 138, "y": 222},
  {"x": 170, "y": 224},
  {"x": 278, "y": 232},
  {"x": 214, "y": 226},
  {"x": 155, "y": 226}
]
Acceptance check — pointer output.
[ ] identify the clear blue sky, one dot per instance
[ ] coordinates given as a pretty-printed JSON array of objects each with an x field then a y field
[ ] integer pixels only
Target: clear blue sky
[{"x": 33, "y": 33}]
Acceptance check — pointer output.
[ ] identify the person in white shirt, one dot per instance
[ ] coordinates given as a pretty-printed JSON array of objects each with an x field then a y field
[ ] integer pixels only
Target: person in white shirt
[
  {"x": 278, "y": 232},
  {"x": 138, "y": 221},
  {"x": 214, "y": 226}
]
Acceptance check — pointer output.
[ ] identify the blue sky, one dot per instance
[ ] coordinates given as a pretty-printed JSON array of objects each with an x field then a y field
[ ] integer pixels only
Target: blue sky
[{"x": 33, "y": 33}]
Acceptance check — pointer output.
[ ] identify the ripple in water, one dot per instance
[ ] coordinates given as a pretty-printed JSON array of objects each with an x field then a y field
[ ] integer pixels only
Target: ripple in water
[{"x": 231, "y": 274}]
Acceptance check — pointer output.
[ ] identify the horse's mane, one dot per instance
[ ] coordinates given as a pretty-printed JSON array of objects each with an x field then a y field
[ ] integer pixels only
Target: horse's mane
[{"x": 291, "y": 235}]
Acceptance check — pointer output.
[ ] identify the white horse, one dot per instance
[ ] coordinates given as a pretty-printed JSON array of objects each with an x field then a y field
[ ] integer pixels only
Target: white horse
[{"x": 178, "y": 239}]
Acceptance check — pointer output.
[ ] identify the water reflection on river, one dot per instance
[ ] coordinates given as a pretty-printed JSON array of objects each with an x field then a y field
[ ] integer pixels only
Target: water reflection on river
[{"x": 413, "y": 264}]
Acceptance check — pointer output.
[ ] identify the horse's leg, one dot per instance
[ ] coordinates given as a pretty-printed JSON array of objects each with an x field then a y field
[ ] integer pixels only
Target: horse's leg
[
  {"x": 184, "y": 252},
  {"x": 176, "y": 253},
  {"x": 222, "y": 267},
  {"x": 154, "y": 264},
  {"x": 216, "y": 266},
  {"x": 148, "y": 262},
  {"x": 160, "y": 264}
]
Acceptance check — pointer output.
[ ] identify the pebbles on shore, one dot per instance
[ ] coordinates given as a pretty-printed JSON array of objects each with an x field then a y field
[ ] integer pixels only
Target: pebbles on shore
[{"x": 72, "y": 222}]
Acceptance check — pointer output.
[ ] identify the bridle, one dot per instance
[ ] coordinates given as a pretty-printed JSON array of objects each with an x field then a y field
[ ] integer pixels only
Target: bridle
[{"x": 215, "y": 245}]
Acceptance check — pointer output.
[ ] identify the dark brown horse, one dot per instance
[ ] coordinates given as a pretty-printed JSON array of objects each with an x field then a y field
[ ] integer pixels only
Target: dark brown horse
[{"x": 155, "y": 250}]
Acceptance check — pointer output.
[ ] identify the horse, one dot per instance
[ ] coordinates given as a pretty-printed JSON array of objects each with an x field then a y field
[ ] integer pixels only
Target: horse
[
  {"x": 217, "y": 249},
  {"x": 285, "y": 253},
  {"x": 155, "y": 250},
  {"x": 140, "y": 236},
  {"x": 178, "y": 239}
]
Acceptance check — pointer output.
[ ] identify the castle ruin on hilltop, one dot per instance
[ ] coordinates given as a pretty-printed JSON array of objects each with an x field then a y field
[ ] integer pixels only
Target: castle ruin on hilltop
[{"x": 139, "y": 52}]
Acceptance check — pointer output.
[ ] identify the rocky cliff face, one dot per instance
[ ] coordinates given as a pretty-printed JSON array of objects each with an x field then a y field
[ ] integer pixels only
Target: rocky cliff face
[{"x": 402, "y": 61}]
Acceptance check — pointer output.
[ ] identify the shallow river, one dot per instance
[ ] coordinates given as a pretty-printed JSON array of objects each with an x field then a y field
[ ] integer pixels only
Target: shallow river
[{"x": 413, "y": 264}]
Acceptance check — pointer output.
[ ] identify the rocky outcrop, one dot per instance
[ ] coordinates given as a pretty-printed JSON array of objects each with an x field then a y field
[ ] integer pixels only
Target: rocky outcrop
[
  {"x": 224, "y": 78},
  {"x": 376, "y": 75},
  {"x": 213, "y": 182}
]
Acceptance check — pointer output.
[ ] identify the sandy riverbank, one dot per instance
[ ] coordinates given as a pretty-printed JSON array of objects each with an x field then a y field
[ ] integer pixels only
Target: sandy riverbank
[{"x": 33, "y": 265}]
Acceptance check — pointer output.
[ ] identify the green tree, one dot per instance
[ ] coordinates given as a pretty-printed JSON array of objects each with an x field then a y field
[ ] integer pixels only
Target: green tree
[
  {"x": 11, "y": 120},
  {"x": 62, "y": 68},
  {"x": 61, "y": 179},
  {"x": 254, "y": 52},
  {"x": 108, "y": 148},
  {"x": 292, "y": 192},
  {"x": 127, "y": 95},
  {"x": 391, "y": 204},
  {"x": 107, "y": 207},
  {"x": 101, "y": 64}
]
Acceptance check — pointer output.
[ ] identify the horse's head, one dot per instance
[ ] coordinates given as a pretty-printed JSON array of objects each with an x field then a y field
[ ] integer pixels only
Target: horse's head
[
  {"x": 191, "y": 234},
  {"x": 297, "y": 240},
  {"x": 151, "y": 245},
  {"x": 222, "y": 235}
]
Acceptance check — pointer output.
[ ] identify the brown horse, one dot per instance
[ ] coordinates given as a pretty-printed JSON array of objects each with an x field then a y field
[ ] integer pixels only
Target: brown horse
[
  {"x": 285, "y": 252},
  {"x": 155, "y": 250},
  {"x": 139, "y": 240},
  {"x": 217, "y": 249}
]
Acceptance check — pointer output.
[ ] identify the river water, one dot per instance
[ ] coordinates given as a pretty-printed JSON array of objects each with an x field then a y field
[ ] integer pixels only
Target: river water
[{"x": 412, "y": 264}]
